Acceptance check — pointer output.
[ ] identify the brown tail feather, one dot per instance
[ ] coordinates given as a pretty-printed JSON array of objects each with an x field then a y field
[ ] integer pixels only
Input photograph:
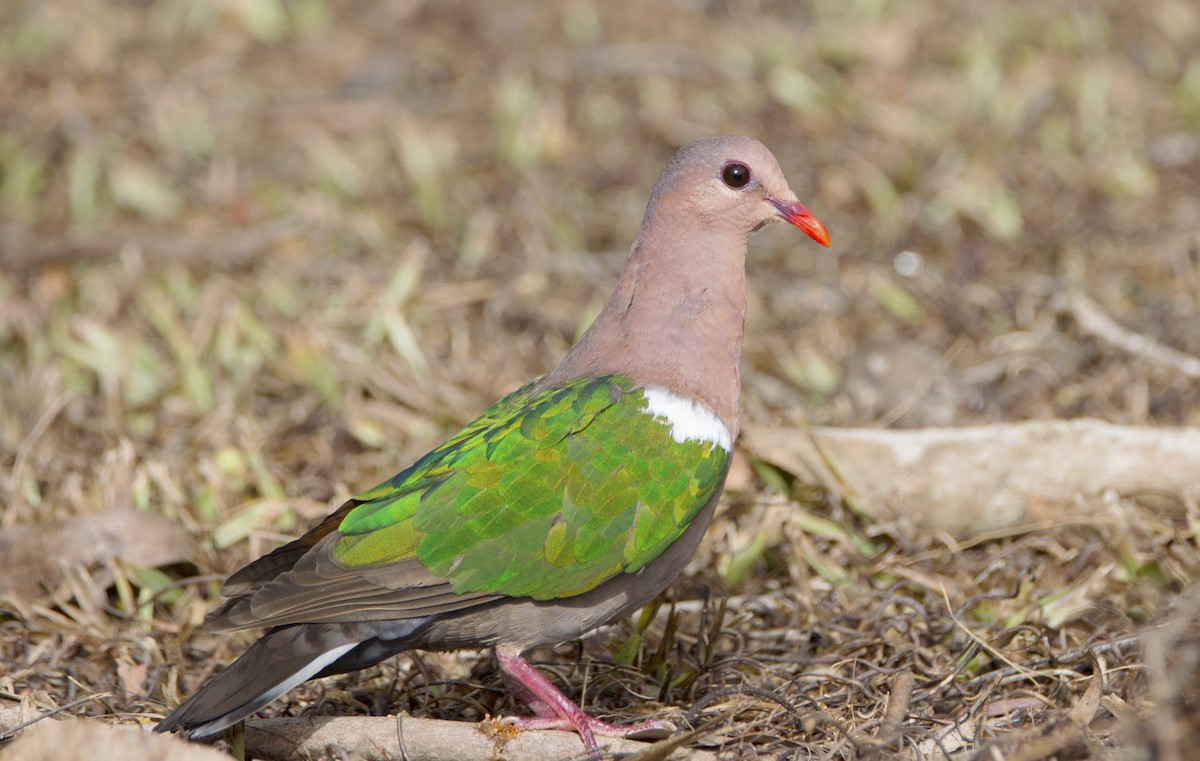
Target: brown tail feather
[{"x": 282, "y": 659}]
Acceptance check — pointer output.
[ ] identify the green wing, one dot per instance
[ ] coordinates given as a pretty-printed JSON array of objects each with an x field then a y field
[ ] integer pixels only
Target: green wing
[{"x": 546, "y": 495}]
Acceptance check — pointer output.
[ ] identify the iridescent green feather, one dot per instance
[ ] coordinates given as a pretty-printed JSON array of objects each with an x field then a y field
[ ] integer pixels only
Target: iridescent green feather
[{"x": 546, "y": 495}]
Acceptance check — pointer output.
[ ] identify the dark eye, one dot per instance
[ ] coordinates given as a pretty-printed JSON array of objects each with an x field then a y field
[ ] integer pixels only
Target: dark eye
[{"x": 736, "y": 175}]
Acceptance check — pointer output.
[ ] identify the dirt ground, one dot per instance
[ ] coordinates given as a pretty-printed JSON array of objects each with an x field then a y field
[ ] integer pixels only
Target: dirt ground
[{"x": 257, "y": 255}]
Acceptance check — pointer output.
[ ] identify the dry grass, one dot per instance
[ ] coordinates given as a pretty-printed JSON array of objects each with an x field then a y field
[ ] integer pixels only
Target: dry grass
[{"x": 258, "y": 255}]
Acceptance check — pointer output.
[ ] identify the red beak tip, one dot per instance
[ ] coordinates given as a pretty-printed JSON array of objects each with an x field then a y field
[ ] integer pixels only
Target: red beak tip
[
  {"x": 796, "y": 214},
  {"x": 820, "y": 234}
]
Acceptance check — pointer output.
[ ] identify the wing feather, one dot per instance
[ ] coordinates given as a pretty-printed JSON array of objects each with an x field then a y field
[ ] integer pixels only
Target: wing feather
[{"x": 548, "y": 494}]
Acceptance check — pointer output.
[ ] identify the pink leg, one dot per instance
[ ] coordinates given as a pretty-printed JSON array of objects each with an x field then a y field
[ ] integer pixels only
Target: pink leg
[{"x": 555, "y": 710}]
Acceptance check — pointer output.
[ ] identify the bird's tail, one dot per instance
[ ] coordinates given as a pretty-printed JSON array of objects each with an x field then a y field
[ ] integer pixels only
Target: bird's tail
[{"x": 282, "y": 659}]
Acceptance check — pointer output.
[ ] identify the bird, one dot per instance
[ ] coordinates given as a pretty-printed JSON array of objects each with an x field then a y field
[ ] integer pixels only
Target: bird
[{"x": 566, "y": 505}]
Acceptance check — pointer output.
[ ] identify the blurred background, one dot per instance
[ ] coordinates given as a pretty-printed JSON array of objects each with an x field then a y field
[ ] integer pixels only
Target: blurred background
[{"x": 255, "y": 255}]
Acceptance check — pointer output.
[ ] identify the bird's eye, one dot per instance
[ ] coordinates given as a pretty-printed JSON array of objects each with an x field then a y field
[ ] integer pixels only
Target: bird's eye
[{"x": 736, "y": 175}]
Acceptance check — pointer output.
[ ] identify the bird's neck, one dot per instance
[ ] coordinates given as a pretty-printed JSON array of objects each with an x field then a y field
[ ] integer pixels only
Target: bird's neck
[{"x": 675, "y": 320}]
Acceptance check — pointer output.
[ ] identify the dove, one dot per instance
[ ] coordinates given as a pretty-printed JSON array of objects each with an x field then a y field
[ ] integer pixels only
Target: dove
[{"x": 564, "y": 506}]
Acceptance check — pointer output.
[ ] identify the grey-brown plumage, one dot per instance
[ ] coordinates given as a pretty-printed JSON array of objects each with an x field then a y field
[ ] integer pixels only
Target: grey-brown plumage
[{"x": 398, "y": 567}]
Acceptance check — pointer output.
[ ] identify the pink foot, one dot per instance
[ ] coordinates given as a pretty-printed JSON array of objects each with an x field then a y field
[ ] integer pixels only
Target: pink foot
[{"x": 555, "y": 710}]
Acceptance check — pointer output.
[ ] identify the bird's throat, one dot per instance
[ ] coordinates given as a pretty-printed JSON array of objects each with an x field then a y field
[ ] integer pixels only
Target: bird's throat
[{"x": 673, "y": 324}]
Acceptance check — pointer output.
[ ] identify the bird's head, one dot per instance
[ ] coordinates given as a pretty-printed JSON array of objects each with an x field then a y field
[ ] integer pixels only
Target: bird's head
[{"x": 736, "y": 184}]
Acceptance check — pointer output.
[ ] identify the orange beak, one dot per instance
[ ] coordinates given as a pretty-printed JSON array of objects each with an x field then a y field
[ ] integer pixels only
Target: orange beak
[{"x": 795, "y": 213}]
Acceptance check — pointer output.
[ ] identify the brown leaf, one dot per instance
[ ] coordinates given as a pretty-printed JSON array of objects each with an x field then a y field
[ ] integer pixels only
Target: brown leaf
[{"x": 34, "y": 557}]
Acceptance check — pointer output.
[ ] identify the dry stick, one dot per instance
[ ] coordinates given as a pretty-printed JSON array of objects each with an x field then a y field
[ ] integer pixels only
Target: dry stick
[
  {"x": 1093, "y": 321},
  {"x": 664, "y": 750},
  {"x": 897, "y": 706},
  {"x": 7, "y": 732},
  {"x": 1038, "y": 665},
  {"x": 979, "y": 641},
  {"x": 376, "y": 738},
  {"x": 964, "y": 481}
]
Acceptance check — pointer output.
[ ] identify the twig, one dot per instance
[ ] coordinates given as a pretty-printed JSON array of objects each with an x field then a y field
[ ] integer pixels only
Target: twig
[
  {"x": 1038, "y": 666},
  {"x": 897, "y": 706},
  {"x": 975, "y": 637},
  {"x": 391, "y": 737},
  {"x": 1093, "y": 321},
  {"x": 11, "y": 731}
]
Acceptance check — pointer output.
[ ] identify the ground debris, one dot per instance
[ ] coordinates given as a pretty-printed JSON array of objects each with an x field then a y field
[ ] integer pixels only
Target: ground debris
[{"x": 233, "y": 301}]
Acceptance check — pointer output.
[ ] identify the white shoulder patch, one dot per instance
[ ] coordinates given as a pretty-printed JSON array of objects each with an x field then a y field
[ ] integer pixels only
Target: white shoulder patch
[{"x": 689, "y": 419}]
